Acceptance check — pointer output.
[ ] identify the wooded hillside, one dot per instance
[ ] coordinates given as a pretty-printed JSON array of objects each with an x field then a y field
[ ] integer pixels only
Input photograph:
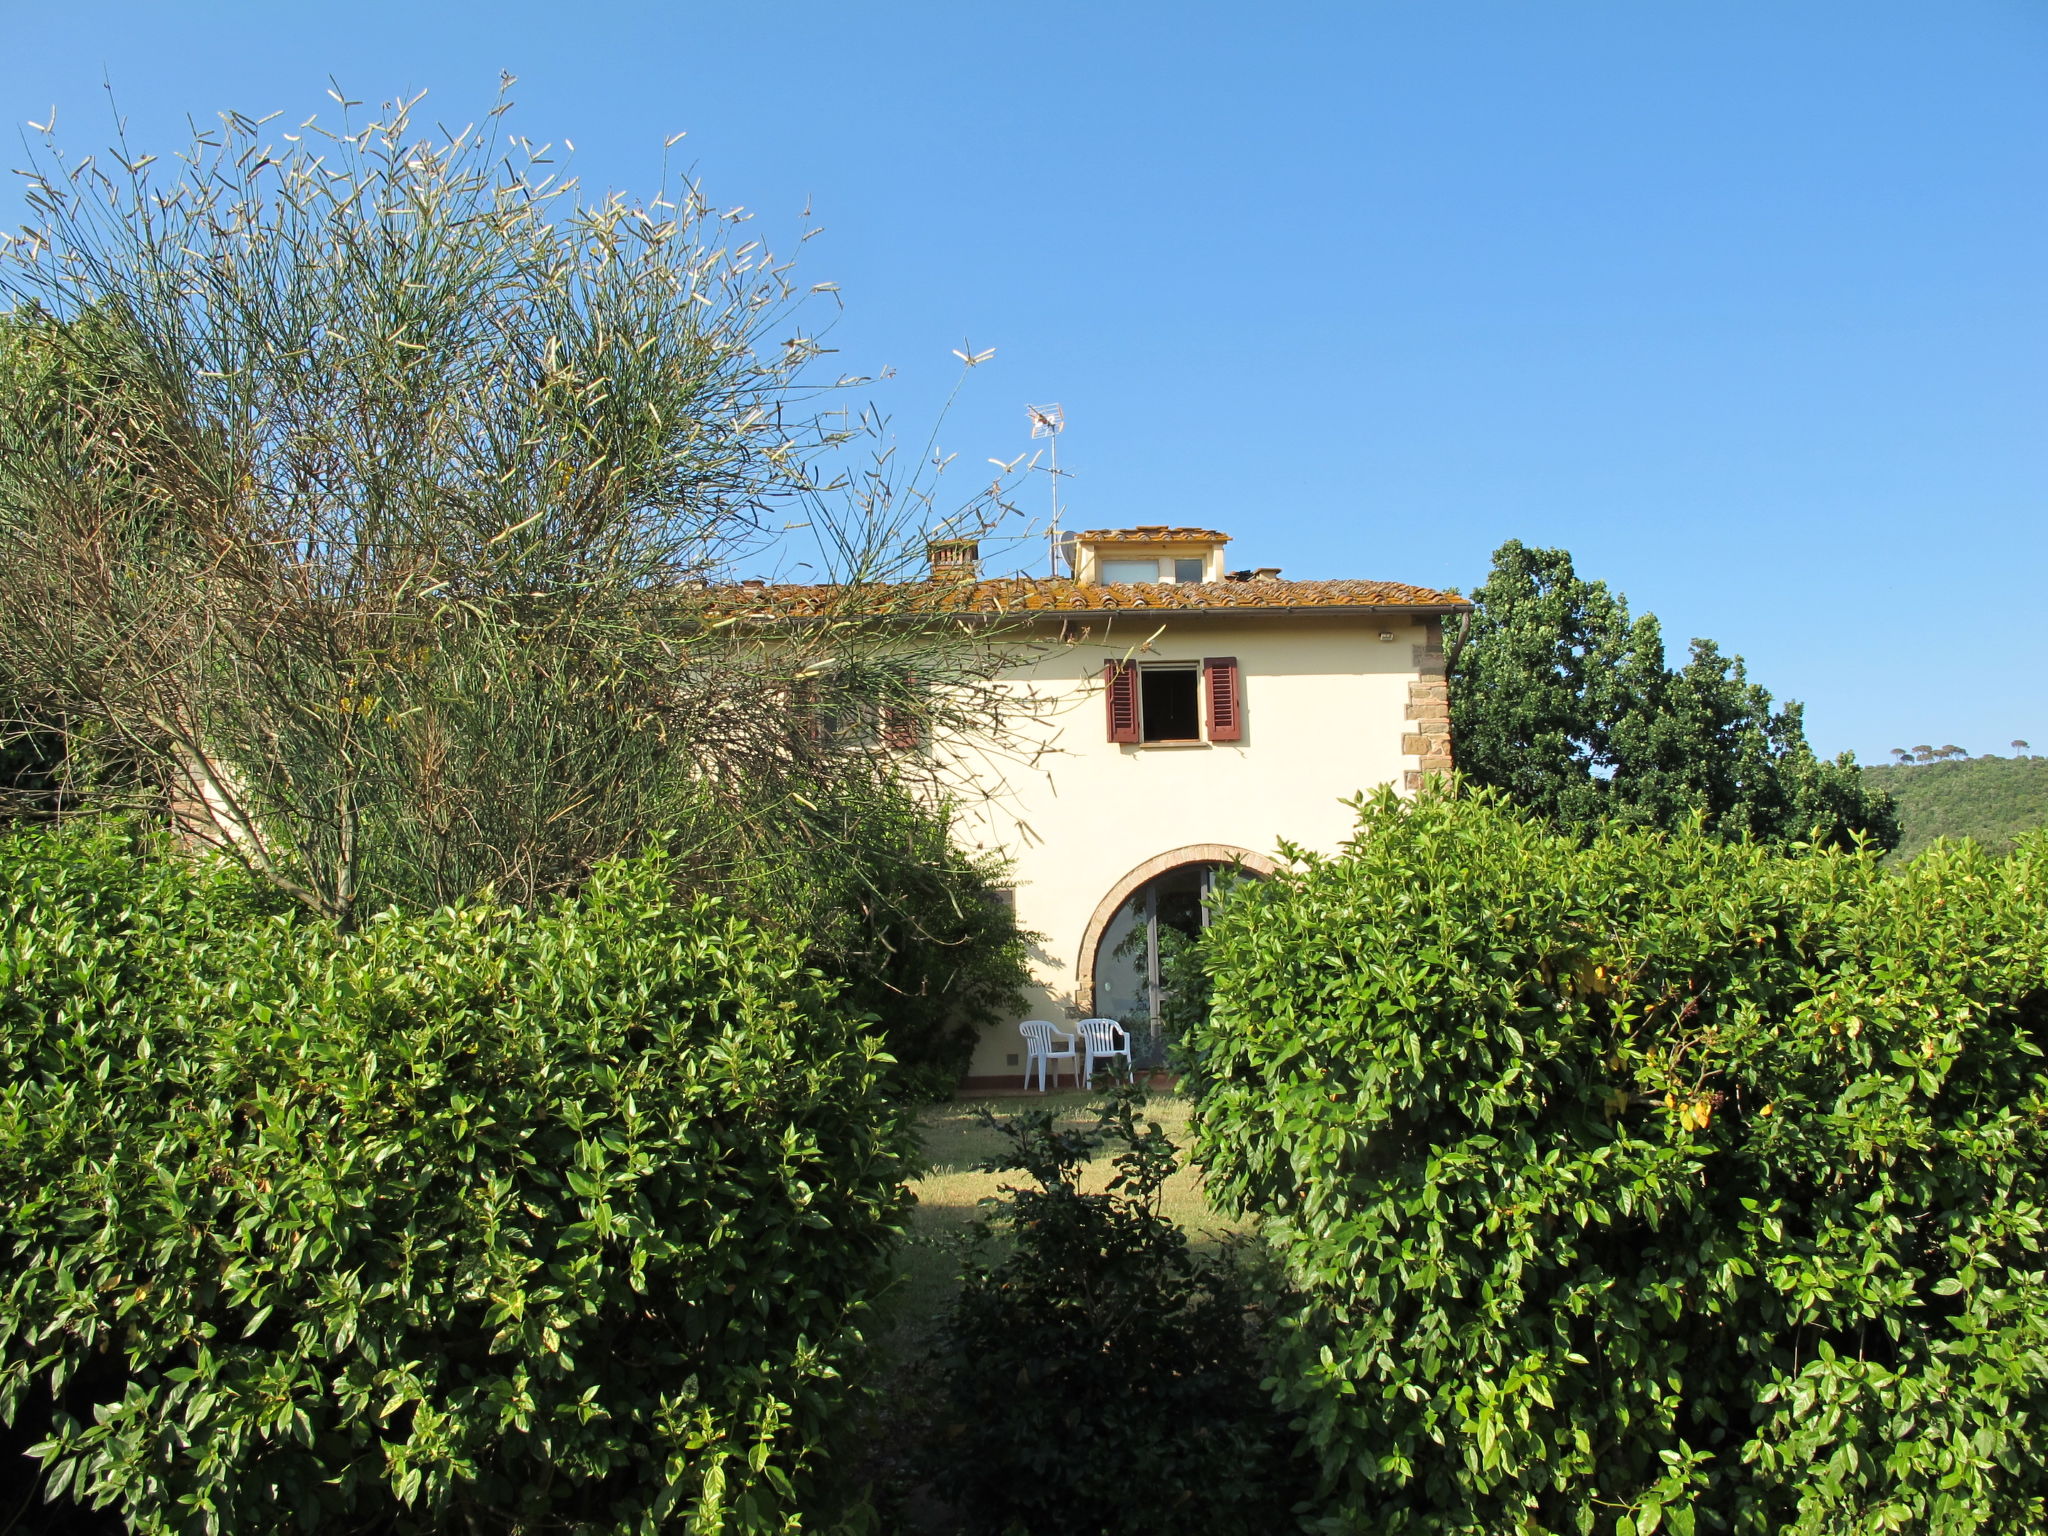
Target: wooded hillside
[{"x": 1992, "y": 799}]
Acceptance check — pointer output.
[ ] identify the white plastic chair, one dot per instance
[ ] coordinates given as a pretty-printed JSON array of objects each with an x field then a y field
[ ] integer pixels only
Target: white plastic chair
[
  {"x": 1106, "y": 1040},
  {"x": 1039, "y": 1051}
]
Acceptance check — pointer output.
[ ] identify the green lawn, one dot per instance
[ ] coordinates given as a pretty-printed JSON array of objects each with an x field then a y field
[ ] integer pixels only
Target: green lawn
[{"x": 956, "y": 1140}]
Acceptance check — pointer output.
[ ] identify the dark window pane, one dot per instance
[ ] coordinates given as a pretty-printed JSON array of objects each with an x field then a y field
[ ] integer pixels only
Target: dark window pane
[
  {"x": 1187, "y": 570},
  {"x": 1180, "y": 897},
  {"x": 1170, "y": 710}
]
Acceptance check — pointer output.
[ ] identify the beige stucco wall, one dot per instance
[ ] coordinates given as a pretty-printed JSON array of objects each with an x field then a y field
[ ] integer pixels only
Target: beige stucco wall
[{"x": 1326, "y": 703}]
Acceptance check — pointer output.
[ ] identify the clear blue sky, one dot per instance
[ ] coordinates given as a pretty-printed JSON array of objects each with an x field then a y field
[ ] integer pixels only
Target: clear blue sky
[{"x": 1744, "y": 303}]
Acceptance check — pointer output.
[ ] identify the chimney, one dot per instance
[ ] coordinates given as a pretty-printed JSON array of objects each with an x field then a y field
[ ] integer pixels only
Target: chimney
[{"x": 958, "y": 559}]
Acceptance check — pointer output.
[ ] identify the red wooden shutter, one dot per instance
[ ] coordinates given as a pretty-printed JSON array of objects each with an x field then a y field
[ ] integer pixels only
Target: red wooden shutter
[
  {"x": 1120, "y": 688},
  {"x": 808, "y": 725},
  {"x": 902, "y": 731},
  {"x": 899, "y": 729},
  {"x": 1226, "y": 702}
]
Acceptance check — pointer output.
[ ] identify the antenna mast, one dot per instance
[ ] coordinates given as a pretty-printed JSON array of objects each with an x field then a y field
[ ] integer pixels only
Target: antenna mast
[{"x": 1048, "y": 421}]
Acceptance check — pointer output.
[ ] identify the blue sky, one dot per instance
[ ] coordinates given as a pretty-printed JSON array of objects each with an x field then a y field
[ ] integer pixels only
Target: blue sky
[{"x": 1744, "y": 303}]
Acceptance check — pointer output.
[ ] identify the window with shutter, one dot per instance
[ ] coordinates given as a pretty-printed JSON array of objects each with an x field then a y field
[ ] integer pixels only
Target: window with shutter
[
  {"x": 807, "y": 725},
  {"x": 1120, "y": 688},
  {"x": 1169, "y": 701},
  {"x": 902, "y": 730},
  {"x": 1226, "y": 698}
]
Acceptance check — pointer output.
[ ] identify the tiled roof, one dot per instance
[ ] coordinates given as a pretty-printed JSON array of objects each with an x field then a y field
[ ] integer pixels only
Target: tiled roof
[
  {"x": 1041, "y": 594},
  {"x": 1153, "y": 533}
]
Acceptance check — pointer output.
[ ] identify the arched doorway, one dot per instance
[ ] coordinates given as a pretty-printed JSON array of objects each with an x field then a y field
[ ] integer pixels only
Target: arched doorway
[{"x": 1137, "y": 926}]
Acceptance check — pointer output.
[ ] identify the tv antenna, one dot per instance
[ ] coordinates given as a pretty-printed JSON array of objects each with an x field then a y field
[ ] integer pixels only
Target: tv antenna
[{"x": 1049, "y": 421}]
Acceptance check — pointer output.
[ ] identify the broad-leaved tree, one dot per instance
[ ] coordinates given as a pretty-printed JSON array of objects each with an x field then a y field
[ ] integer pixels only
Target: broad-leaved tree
[{"x": 1564, "y": 700}]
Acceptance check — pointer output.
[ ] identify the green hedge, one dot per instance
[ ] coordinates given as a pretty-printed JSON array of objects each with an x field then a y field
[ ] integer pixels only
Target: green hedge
[
  {"x": 1656, "y": 1184},
  {"x": 478, "y": 1220}
]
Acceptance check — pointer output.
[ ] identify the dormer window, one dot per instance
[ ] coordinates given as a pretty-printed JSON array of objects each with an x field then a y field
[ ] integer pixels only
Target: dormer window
[
  {"x": 1174, "y": 556},
  {"x": 1177, "y": 569}
]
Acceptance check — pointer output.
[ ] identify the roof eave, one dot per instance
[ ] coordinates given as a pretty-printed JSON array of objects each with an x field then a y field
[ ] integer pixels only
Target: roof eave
[{"x": 1244, "y": 611}]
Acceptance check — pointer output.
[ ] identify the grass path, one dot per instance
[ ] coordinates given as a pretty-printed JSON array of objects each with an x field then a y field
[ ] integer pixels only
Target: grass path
[
  {"x": 950, "y": 1193},
  {"x": 905, "y": 1327}
]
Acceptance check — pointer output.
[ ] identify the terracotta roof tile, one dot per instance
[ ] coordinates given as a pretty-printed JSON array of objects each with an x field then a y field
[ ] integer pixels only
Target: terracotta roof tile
[
  {"x": 1153, "y": 533},
  {"x": 1041, "y": 594}
]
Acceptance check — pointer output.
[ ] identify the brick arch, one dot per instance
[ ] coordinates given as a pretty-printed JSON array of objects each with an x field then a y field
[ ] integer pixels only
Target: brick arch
[{"x": 1124, "y": 889}]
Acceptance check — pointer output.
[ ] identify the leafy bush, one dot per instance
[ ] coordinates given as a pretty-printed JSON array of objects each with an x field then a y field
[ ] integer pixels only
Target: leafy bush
[
  {"x": 916, "y": 927},
  {"x": 476, "y": 1220},
  {"x": 1103, "y": 1378},
  {"x": 1652, "y": 1184}
]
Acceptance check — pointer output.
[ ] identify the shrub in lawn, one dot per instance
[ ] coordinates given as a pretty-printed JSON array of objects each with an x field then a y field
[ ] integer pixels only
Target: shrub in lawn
[
  {"x": 1103, "y": 1378},
  {"x": 481, "y": 1220},
  {"x": 917, "y": 929},
  {"x": 1656, "y": 1184}
]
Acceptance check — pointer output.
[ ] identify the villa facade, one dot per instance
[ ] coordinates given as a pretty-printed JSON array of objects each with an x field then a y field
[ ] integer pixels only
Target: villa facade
[{"x": 1192, "y": 717}]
